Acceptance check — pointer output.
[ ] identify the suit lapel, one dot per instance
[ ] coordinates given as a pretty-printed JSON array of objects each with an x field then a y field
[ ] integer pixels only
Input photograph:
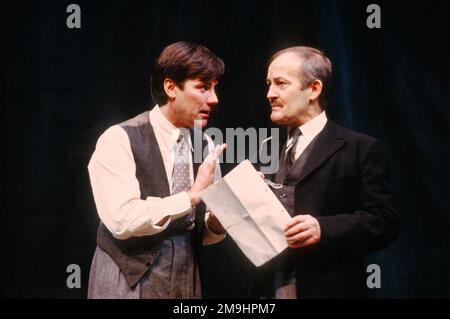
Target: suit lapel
[{"x": 329, "y": 141}]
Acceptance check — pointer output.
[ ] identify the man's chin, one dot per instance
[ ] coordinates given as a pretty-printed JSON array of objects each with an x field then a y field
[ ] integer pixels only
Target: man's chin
[
  {"x": 200, "y": 123},
  {"x": 276, "y": 118}
]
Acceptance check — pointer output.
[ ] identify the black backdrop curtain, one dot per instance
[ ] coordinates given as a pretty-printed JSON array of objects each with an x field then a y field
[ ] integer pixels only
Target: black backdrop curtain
[{"x": 63, "y": 87}]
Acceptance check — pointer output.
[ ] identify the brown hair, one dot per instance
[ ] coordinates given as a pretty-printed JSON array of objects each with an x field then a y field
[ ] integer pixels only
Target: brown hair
[
  {"x": 181, "y": 61},
  {"x": 316, "y": 66}
]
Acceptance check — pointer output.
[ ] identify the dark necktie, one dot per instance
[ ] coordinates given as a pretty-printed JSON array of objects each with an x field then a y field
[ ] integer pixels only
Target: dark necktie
[{"x": 290, "y": 147}]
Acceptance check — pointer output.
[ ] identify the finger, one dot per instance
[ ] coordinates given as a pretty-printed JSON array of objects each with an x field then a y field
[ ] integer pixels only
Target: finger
[
  {"x": 297, "y": 228},
  {"x": 300, "y": 237},
  {"x": 310, "y": 241},
  {"x": 297, "y": 219},
  {"x": 211, "y": 158},
  {"x": 219, "y": 149},
  {"x": 215, "y": 153},
  {"x": 294, "y": 221}
]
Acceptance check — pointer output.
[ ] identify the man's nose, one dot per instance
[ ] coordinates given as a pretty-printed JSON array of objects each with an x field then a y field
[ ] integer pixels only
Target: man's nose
[
  {"x": 271, "y": 94},
  {"x": 212, "y": 98}
]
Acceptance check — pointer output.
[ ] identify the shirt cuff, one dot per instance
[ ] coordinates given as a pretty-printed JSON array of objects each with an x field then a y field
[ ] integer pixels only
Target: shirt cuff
[{"x": 175, "y": 206}]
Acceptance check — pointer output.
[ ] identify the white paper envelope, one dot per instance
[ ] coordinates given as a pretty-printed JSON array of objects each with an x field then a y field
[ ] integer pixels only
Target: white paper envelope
[{"x": 250, "y": 212}]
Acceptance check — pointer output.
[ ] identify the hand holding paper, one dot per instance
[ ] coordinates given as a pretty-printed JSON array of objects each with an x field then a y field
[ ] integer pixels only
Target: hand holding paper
[{"x": 250, "y": 212}]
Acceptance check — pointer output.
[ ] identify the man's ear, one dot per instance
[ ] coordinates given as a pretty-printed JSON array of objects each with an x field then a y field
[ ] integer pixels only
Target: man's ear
[
  {"x": 169, "y": 88},
  {"x": 316, "y": 89}
]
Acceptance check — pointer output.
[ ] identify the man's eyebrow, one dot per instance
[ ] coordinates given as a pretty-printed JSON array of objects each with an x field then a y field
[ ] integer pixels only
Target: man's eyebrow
[
  {"x": 278, "y": 78},
  {"x": 209, "y": 82},
  {"x": 202, "y": 82}
]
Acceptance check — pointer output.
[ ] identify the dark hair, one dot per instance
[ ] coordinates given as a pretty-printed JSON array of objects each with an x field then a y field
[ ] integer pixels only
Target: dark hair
[
  {"x": 316, "y": 66},
  {"x": 181, "y": 61}
]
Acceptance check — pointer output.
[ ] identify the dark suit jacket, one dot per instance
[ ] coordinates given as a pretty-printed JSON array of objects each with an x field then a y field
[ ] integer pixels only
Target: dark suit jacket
[{"x": 344, "y": 184}]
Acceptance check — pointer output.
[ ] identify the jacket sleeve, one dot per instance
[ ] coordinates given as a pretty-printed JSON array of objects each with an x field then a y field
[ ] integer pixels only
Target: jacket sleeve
[{"x": 375, "y": 223}]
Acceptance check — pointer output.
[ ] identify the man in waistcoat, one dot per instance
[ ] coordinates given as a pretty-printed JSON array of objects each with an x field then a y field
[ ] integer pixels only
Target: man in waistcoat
[
  {"x": 334, "y": 185},
  {"x": 146, "y": 183}
]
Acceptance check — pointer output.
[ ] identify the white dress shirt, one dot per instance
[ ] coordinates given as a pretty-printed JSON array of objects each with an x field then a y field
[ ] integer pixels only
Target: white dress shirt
[
  {"x": 112, "y": 172},
  {"x": 309, "y": 131}
]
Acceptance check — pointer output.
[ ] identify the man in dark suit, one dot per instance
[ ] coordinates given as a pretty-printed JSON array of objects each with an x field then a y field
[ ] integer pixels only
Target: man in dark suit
[{"x": 334, "y": 186}]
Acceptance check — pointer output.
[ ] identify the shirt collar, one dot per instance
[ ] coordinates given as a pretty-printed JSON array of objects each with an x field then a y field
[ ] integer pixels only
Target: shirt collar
[
  {"x": 313, "y": 127},
  {"x": 169, "y": 132}
]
